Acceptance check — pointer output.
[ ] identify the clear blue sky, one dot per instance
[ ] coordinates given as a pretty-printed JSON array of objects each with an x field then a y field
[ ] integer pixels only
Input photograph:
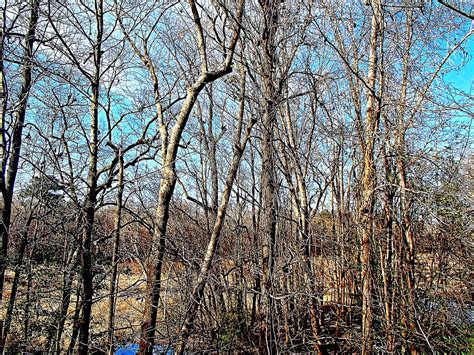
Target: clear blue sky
[{"x": 463, "y": 78}]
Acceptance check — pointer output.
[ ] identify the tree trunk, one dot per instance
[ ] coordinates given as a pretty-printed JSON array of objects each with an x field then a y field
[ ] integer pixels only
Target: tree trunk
[
  {"x": 65, "y": 301},
  {"x": 198, "y": 290},
  {"x": 268, "y": 339},
  {"x": 386, "y": 259},
  {"x": 150, "y": 313},
  {"x": 76, "y": 322},
  {"x": 115, "y": 258},
  {"x": 70, "y": 262},
  {"x": 369, "y": 183},
  {"x": 169, "y": 151},
  {"x": 91, "y": 198},
  {"x": 408, "y": 245},
  {"x": 12, "y": 157},
  {"x": 16, "y": 281}
]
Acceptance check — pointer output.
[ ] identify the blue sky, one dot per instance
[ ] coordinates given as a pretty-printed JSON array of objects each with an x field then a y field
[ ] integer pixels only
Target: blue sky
[{"x": 463, "y": 78}]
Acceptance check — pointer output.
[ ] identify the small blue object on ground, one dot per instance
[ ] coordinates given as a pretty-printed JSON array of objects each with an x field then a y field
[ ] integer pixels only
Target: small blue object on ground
[
  {"x": 129, "y": 349},
  {"x": 132, "y": 349}
]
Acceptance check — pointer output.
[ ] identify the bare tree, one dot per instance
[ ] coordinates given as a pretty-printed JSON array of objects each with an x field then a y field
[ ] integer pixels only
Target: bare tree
[
  {"x": 215, "y": 176},
  {"x": 10, "y": 148}
]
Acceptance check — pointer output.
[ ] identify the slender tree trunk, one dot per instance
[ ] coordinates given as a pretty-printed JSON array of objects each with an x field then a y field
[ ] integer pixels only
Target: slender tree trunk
[
  {"x": 65, "y": 301},
  {"x": 70, "y": 262},
  {"x": 268, "y": 339},
  {"x": 198, "y": 290},
  {"x": 255, "y": 222},
  {"x": 5, "y": 223},
  {"x": 167, "y": 185},
  {"x": 212, "y": 150},
  {"x": 408, "y": 246},
  {"x": 76, "y": 322},
  {"x": 369, "y": 183},
  {"x": 16, "y": 281},
  {"x": 91, "y": 198},
  {"x": 12, "y": 158},
  {"x": 302, "y": 211},
  {"x": 170, "y": 146},
  {"x": 386, "y": 259},
  {"x": 29, "y": 284},
  {"x": 115, "y": 258},
  {"x": 240, "y": 282}
]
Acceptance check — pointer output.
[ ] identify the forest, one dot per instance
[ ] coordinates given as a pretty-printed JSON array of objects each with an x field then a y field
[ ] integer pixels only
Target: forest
[{"x": 236, "y": 176}]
